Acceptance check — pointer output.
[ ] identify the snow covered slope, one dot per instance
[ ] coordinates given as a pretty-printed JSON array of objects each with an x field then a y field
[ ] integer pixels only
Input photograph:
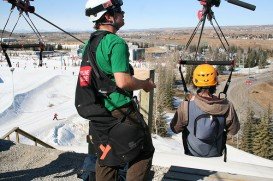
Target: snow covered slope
[{"x": 41, "y": 92}]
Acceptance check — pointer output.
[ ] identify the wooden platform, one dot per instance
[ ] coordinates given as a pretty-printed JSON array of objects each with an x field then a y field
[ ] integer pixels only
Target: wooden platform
[{"x": 189, "y": 174}]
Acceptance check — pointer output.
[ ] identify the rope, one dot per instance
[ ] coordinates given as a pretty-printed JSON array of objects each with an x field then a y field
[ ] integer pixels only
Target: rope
[
  {"x": 6, "y": 24},
  {"x": 58, "y": 27},
  {"x": 32, "y": 27},
  {"x": 15, "y": 25},
  {"x": 218, "y": 35},
  {"x": 41, "y": 38}
]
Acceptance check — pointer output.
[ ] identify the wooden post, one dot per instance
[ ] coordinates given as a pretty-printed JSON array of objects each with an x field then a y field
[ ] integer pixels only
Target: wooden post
[
  {"x": 17, "y": 137},
  {"x": 146, "y": 98}
]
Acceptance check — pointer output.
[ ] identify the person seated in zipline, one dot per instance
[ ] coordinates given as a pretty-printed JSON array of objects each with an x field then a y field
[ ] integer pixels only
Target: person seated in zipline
[{"x": 205, "y": 119}]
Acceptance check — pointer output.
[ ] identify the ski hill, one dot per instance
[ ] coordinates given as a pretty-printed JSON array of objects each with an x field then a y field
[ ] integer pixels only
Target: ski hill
[{"x": 31, "y": 95}]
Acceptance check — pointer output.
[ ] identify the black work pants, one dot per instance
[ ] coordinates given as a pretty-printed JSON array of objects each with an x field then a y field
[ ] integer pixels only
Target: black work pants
[{"x": 139, "y": 168}]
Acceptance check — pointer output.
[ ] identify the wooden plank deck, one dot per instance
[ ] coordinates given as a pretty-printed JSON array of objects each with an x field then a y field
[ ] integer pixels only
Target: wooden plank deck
[{"x": 190, "y": 174}]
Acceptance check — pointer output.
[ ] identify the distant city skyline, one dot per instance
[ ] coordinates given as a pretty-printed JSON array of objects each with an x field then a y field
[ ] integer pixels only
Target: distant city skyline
[{"x": 140, "y": 14}]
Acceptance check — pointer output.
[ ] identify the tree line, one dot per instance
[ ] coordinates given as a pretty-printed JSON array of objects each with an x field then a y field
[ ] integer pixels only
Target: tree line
[{"x": 257, "y": 134}]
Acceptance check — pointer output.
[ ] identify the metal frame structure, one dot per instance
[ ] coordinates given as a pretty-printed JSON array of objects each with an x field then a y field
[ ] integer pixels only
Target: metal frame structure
[{"x": 207, "y": 13}]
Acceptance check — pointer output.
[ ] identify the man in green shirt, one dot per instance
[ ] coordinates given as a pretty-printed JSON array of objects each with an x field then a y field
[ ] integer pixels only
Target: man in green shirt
[{"x": 112, "y": 58}]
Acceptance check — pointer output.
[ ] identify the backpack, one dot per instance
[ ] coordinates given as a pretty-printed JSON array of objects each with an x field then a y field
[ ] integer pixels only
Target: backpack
[
  {"x": 93, "y": 85},
  {"x": 205, "y": 134}
]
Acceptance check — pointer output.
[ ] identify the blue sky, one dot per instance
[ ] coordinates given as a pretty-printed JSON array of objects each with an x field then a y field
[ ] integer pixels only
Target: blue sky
[{"x": 140, "y": 14}]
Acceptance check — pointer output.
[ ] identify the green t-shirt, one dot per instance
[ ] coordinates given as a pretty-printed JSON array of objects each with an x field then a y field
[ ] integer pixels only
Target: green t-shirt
[{"x": 112, "y": 56}]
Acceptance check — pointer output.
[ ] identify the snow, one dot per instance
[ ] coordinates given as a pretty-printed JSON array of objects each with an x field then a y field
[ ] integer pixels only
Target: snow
[{"x": 39, "y": 92}]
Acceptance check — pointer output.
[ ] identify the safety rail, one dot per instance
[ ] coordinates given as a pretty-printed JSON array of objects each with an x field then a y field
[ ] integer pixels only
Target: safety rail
[{"x": 18, "y": 131}]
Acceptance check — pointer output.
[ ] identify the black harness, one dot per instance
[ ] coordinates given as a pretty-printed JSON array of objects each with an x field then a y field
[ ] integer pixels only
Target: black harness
[{"x": 116, "y": 141}]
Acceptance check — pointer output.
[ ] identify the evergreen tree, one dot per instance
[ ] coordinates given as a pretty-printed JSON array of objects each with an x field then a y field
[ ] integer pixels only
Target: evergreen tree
[
  {"x": 252, "y": 58},
  {"x": 270, "y": 120},
  {"x": 248, "y": 132},
  {"x": 59, "y": 47},
  {"x": 262, "y": 59},
  {"x": 262, "y": 143}
]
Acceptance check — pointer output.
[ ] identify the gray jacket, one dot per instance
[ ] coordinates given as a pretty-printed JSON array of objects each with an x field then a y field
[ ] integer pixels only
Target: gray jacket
[{"x": 213, "y": 106}]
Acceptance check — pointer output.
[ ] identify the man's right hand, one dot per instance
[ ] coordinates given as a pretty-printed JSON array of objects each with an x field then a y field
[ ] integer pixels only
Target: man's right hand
[{"x": 149, "y": 85}]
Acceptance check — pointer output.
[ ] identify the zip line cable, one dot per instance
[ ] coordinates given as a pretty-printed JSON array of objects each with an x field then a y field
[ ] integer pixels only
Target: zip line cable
[
  {"x": 220, "y": 29},
  {"x": 34, "y": 29},
  {"x": 6, "y": 23},
  {"x": 193, "y": 34},
  {"x": 41, "y": 38},
  {"x": 15, "y": 25},
  {"x": 57, "y": 27},
  {"x": 207, "y": 13},
  {"x": 201, "y": 33},
  {"x": 25, "y": 7},
  {"x": 219, "y": 35}
]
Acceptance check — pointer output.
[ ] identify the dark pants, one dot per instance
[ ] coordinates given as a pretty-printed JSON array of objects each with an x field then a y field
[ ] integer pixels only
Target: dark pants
[{"x": 139, "y": 168}]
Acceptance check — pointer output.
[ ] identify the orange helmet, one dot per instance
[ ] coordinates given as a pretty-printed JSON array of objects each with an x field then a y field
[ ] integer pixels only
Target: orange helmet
[{"x": 204, "y": 75}]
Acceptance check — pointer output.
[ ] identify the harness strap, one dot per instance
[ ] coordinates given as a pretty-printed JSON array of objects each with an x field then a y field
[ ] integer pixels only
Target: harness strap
[
  {"x": 227, "y": 83},
  {"x": 108, "y": 86},
  {"x": 225, "y": 154},
  {"x": 7, "y": 56}
]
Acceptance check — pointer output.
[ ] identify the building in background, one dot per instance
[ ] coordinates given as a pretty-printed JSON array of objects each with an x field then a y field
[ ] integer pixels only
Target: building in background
[
  {"x": 8, "y": 40},
  {"x": 136, "y": 54}
]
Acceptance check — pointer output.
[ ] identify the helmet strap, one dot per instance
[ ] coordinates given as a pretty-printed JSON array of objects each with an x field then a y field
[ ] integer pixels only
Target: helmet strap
[
  {"x": 111, "y": 24},
  {"x": 114, "y": 24}
]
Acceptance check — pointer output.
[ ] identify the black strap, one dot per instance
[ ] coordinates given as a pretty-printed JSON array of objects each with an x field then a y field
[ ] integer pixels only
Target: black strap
[
  {"x": 188, "y": 111},
  {"x": 225, "y": 154},
  {"x": 227, "y": 84},
  {"x": 7, "y": 56},
  {"x": 102, "y": 82},
  {"x": 183, "y": 80},
  {"x": 91, "y": 47}
]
